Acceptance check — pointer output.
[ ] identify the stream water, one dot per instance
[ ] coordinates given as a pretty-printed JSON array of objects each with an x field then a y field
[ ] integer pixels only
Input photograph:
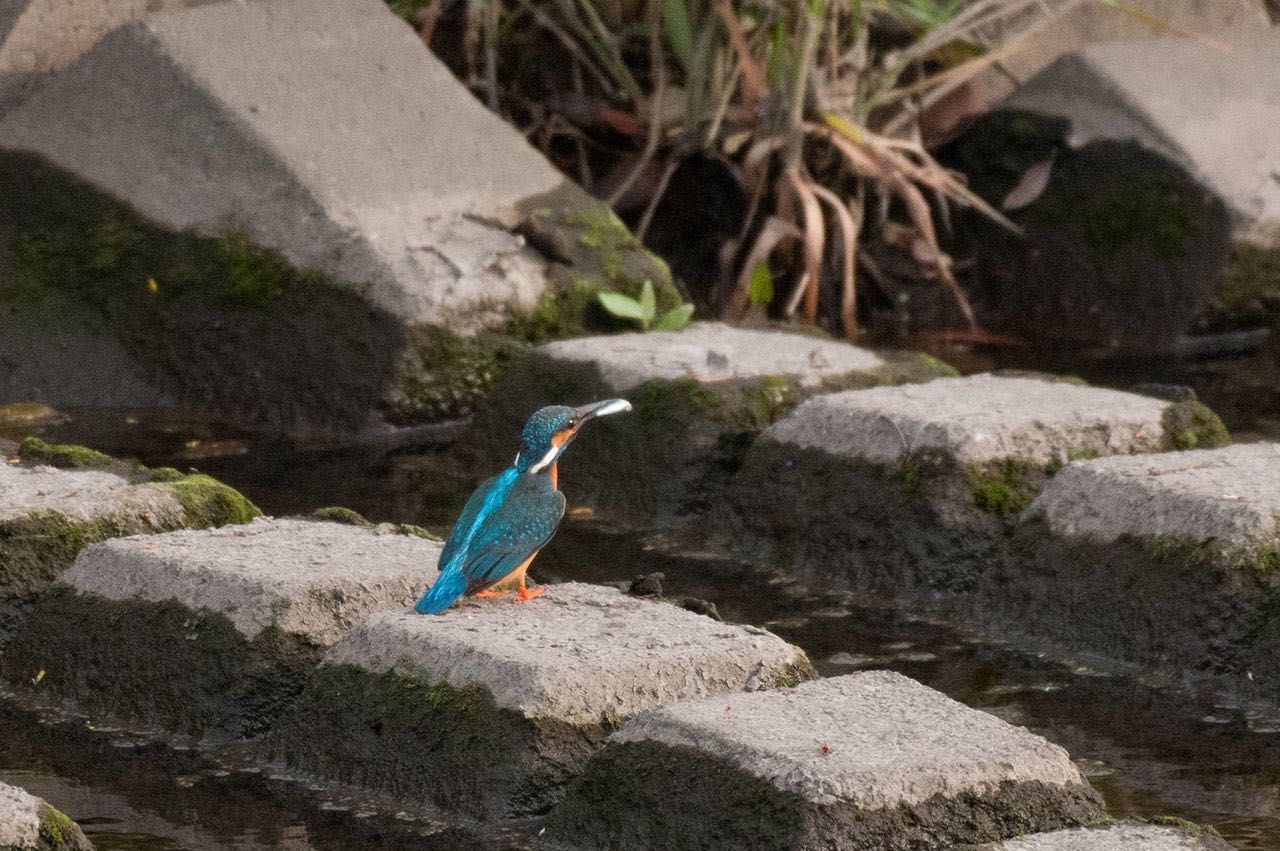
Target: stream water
[{"x": 1150, "y": 754}]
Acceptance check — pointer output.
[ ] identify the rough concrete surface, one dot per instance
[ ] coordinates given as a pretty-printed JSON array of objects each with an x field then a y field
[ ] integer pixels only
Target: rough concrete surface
[
  {"x": 872, "y": 760},
  {"x": 1211, "y": 110},
  {"x": 309, "y": 579},
  {"x": 709, "y": 352},
  {"x": 81, "y": 495},
  {"x": 1230, "y": 495},
  {"x": 974, "y": 420},
  {"x": 29, "y": 824},
  {"x": 576, "y": 654},
  {"x": 1120, "y": 837},
  {"x": 324, "y": 129}
]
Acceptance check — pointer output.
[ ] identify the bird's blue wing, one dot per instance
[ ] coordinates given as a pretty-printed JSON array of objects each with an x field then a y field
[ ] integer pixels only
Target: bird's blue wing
[
  {"x": 516, "y": 530},
  {"x": 452, "y": 582}
]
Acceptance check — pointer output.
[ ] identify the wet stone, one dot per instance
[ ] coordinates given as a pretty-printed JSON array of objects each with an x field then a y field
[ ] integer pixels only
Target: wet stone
[
  {"x": 28, "y": 823},
  {"x": 908, "y": 491},
  {"x": 489, "y": 708},
  {"x": 1120, "y": 837},
  {"x": 210, "y": 632},
  {"x": 48, "y": 515},
  {"x": 1168, "y": 561},
  {"x": 699, "y": 396},
  {"x": 865, "y": 761}
]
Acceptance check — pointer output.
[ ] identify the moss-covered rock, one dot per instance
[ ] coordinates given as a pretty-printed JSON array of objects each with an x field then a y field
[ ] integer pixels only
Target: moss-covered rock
[
  {"x": 594, "y": 252},
  {"x": 338, "y": 514},
  {"x": 446, "y": 376},
  {"x": 161, "y": 665},
  {"x": 35, "y": 451},
  {"x": 208, "y": 502},
  {"x": 432, "y": 744},
  {"x": 1190, "y": 424}
]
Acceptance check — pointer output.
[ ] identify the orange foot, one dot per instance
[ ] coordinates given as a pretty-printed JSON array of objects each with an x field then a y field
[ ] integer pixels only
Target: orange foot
[
  {"x": 486, "y": 593},
  {"x": 529, "y": 593}
]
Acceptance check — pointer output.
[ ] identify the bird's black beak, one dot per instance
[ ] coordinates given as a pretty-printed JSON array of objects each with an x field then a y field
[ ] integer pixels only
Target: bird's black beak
[{"x": 601, "y": 409}]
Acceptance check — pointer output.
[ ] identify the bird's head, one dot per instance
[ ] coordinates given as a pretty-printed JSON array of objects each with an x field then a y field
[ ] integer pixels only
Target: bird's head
[{"x": 550, "y": 430}]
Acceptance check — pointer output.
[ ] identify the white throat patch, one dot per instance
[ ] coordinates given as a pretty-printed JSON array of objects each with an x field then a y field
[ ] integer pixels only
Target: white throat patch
[{"x": 546, "y": 460}]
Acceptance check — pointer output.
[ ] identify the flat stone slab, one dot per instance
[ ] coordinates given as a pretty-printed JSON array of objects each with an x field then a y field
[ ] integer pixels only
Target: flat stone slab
[
  {"x": 1230, "y": 495},
  {"x": 1165, "y": 563},
  {"x": 511, "y": 698},
  {"x": 310, "y": 579},
  {"x": 361, "y": 156},
  {"x": 210, "y": 632},
  {"x": 872, "y": 760},
  {"x": 699, "y": 395},
  {"x": 927, "y": 478},
  {"x": 976, "y": 420},
  {"x": 28, "y": 823},
  {"x": 709, "y": 352},
  {"x": 1120, "y": 837},
  {"x": 47, "y": 515},
  {"x": 1210, "y": 110}
]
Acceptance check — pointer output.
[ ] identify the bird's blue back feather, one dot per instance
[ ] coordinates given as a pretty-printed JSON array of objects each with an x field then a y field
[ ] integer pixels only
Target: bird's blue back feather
[{"x": 452, "y": 582}]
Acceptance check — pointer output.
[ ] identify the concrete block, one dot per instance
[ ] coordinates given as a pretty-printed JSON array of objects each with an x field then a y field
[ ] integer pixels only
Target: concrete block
[
  {"x": 490, "y": 707},
  {"x": 324, "y": 129},
  {"x": 908, "y": 492},
  {"x": 1211, "y": 110},
  {"x": 1166, "y": 562},
  {"x": 47, "y": 515},
  {"x": 872, "y": 760},
  {"x": 699, "y": 394},
  {"x": 28, "y": 823},
  {"x": 1119, "y": 837},
  {"x": 210, "y": 632}
]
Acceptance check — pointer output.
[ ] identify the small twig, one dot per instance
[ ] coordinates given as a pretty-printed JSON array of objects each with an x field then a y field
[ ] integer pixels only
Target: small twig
[
  {"x": 658, "y": 68},
  {"x": 643, "y": 227}
]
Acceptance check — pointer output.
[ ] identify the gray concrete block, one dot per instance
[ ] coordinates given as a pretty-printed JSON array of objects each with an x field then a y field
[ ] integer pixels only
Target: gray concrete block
[
  {"x": 28, "y": 823},
  {"x": 1210, "y": 110},
  {"x": 209, "y": 633},
  {"x": 978, "y": 419},
  {"x": 1120, "y": 837},
  {"x": 47, "y": 515},
  {"x": 322, "y": 128},
  {"x": 871, "y": 760},
  {"x": 1164, "y": 564},
  {"x": 490, "y": 707},
  {"x": 700, "y": 395},
  {"x": 1229, "y": 495},
  {"x": 708, "y": 352},
  {"x": 309, "y": 579},
  {"x": 926, "y": 479}
]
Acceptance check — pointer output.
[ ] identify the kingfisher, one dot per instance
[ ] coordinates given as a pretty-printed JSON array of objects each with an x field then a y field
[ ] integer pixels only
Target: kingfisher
[{"x": 512, "y": 515}]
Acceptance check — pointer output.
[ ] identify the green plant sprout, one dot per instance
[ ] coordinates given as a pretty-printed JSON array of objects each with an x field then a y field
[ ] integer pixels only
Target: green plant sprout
[{"x": 644, "y": 310}]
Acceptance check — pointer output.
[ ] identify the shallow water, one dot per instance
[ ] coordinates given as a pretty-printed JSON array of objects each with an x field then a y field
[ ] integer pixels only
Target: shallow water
[{"x": 1150, "y": 754}]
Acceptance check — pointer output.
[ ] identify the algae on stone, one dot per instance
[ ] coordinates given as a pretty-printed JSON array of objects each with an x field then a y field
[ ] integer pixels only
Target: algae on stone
[
  {"x": 207, "y": 502},
  {"x": 1192, "y": 425},
  {"x": 66, "y": 455}
]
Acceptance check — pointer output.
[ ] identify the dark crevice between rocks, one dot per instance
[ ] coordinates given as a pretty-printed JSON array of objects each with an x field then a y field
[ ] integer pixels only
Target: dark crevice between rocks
[
  {"x": 158, "y": 665},
  {"x": 431, "y": 744},
  {"x": 642, "y": 795}
]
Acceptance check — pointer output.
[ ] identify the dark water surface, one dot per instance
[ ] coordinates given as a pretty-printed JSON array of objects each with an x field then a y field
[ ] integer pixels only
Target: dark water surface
[{"x": 1150, "y": 754}]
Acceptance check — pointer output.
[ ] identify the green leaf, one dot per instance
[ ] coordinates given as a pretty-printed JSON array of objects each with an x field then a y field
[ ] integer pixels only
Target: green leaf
[
  {"x": 674, "y": 319},
  {"x": 622, "y": 306},
  {"x": 648, "y": 303},
  {"x": 761, "y": 284},
  {"x": 675, "y": 15}
]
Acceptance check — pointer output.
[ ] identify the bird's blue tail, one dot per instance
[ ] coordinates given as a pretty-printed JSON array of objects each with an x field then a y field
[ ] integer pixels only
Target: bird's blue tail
[{"x": 448, "y": 587}]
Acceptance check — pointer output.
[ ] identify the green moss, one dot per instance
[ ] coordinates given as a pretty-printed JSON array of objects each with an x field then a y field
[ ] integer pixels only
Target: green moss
[
  {"x": 208, "y": 502},
  {"x": 338, "y": 514},
  {"x": 899, "y": 368},
  {"x": 1004, "y": 489},
  {"x": 661, "y": 401},
  {"x": 161, "y": 474},
  {"x": 407, "y": 9},
  {"x": 1144, "y": 210},
  {"x": 399, "y": 698},
  {"x": 1252, "y": 276},
  {"x": 56, "y": 828},
  {"x": 769, "y": 399},
  {"x": 794, "y": 674},
  {"x": 1192, "y": 425},
  {"x": 594, "y": 252},
  {"x": 1184, "y": 825},
  {"x": 36, "y": 451},
  {"x": 448, "y": 375}
]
